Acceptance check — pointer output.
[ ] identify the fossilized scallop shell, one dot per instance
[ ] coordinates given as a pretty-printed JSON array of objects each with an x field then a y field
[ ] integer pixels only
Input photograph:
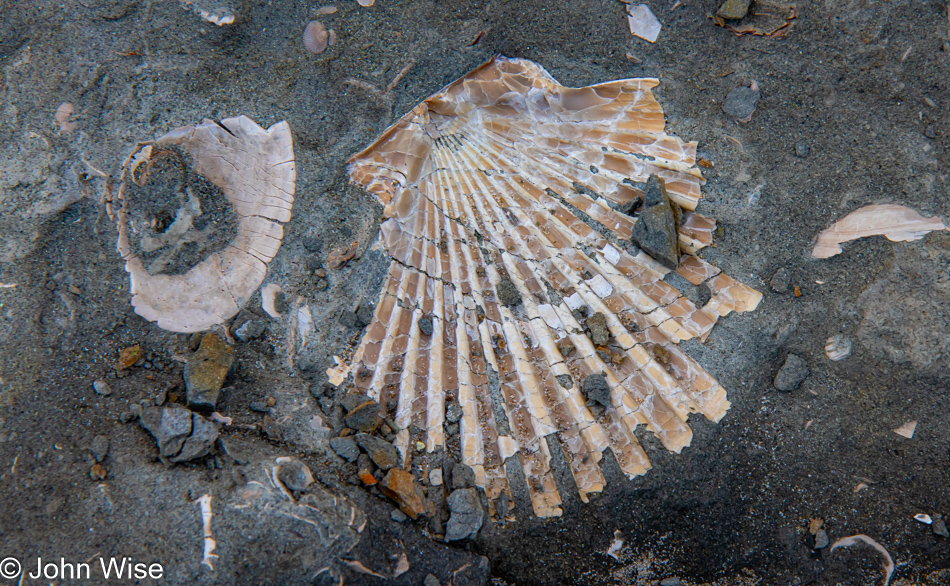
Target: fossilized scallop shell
[
  {"x": 507, "y": 179},
  {"x": 255, "y": 171}
]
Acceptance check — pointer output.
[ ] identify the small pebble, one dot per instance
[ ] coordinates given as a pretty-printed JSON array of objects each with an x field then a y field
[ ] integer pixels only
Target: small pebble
[
  {"x": 98, "y": 472},
  {"x": 930, "y": 131},
  {"x": 939, "y": 527},
  {"x": 102, "y": 387},
  {"x": 793, "y": 372},
  {"x": 259, "y": 407},
  {"x": 801, "y": 149},
  {"x": 821, "y": 539},
  {"x": 671, "y": 582},
  {"x": 431, "y": 580},
  {"x": 398, "y": 516},
  {"x": 100, "y": 447},
  {"x": 780, "y": 281}
]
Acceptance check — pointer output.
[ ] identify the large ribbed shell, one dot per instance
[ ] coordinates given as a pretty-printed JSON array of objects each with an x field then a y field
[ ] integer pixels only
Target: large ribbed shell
[{"x": 507, "y": 175}]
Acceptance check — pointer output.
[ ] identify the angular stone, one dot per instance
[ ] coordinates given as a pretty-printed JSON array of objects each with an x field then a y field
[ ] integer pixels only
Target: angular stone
[
  {"x": 780, "y": 281},
  {"x": 655, "y": 230},
  {"x": 170, "y": 426},
  {"x": 462, "y": 476},
  {"x": 253, "y": 328},
  {"x": 733, "y": 9},
  {"x": 596, "y": 389},
  {"x": 599, "y": 334},
  {"x": 466, "y": 514},
  {"x": 206, "y": 371},
  {"x": 382, "y": 453},
  {"x": 740, "y": 102},
  {"x": 365, "y": 469},
  {"x": 363, "y": 417},
  {"x": 294, "y": 474},
  {"x": 507, "y": 293},
  {"x": 401, "y": 487},
  {"x": 353, "y": 400},
  {"x": 345, "y": 447},
  {"x": 453, "y": 412},
  {"x": 792, "y": 373},
  {"x": 201, "y": 441}
]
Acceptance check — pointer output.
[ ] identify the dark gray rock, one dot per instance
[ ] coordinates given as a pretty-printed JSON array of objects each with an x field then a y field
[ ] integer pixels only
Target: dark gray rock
[
  {"x": 733, "y": 9},
  {"x": 939, "y": 527},
  {"x": 250, "y": 330},
  {"x": 792, "y": 373},
  {"x": 206, "y": 371},
  {"x": 597, "y": 324},
  {"x": 363, "y": 417},
  {"x": 382, "y": 453},
  {"x": 780, "y": 281},
  {"x": 353, "y": 400},
  {"x": 100, "y": 447},
  {"x": 507, "y": 293},
  {"x": 294, "y": 474},
  {"x": 452, "y": 429},
  {"x": 596, "y": 389},
  {"x": 565, "y": 380},
  {"x": 398, "y": 516},
  {"x": 740, "y": 102},
  {"x": 425, "y": 325},
  {"x": 431, "y": 580},
  {"x": 453, "y": 412},
  {"x": 180, "y": 434},
  {"x": 462, "y": 477},
  {"x": 466, "y": 514},
  {"x": 345, "y": 447},
  {"x": 821, "y": 539},
  {"x": 259, "y": 407},
  {"x": 671, "y": 582},
  {"x": 364, "y": 315},
  {"x": 201, "y": 441},
  {"x": 801, "y": 149},
  {"x": 655, "y": 230}
]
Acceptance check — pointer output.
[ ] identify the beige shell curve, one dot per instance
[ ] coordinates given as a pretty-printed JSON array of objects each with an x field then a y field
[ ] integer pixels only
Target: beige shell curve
[{"x": 255, "y": 170}]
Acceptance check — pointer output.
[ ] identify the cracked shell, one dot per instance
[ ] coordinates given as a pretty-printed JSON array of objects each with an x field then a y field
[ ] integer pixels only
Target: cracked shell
[
  {"x": 505, "y": 176},
  {"x": 254, "y": 169}
]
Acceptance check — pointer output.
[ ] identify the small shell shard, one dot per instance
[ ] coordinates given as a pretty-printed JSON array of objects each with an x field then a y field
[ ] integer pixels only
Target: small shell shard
[
  {"x": 838, "y": 347},
  {"x": 495, "y": 192},
  {"x": 907, "y": 430},
  {"x": 643, "y": 23},
  {"x": 896, "y": 222}
]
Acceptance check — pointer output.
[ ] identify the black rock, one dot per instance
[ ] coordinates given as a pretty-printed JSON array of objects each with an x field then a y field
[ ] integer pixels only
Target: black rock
[
  {"x": 596, "y": 389},
  {"x": 250, "y": 330},
  {"x": 466, "y": 514},
  {"x": 425, "y": 326},
  {"x": 363, "y": 417},
  {"x": 462, "y": 476},
  {"x": 382, "y": 453},
  {"x": 792, "y": 373},
  {"x": 780, "y": 281},
  {"x": 655, "y": 230},
  {"x": 364, "y": 315},
  {"x": 507, "y": 293},
  {"x": 740, "y": 102},
  {"x": 345, "y": 447}
]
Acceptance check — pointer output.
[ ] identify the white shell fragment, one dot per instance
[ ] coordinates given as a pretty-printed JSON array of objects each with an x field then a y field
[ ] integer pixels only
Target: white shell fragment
[
  {"x": 896, "y": 222},
  {"x": 923, "y": 518},
  {"x": 254, "y": 169},
  {"x": 643, "y": 23},
  {"x": 269, "y": 299},
  {"x": 861, "y": 538},
  {"x": 838, "y": 347},
  {"x": 499, "y": 243},
  {"x": 208, "y": 556},
  {"x": 907, "y": 430},
  {"x": 218, "y": 12}
]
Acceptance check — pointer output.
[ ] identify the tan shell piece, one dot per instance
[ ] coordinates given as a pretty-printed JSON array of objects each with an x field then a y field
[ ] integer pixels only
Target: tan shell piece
[
  {"x": 505, "y": 176},
  {"x": 898, "y": 223},
  {"x": 255, "y": 170}
]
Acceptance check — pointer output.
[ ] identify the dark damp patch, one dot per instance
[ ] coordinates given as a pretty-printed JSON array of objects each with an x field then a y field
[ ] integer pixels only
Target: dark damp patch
[{"x": 154, "y": 207}]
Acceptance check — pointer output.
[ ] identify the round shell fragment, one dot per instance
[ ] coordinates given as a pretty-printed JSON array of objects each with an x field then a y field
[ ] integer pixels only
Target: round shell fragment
[
  {"x": 838, "y": 347},
  {"x": 316, "y": 38},
  {"x": 255, "y": 172}
]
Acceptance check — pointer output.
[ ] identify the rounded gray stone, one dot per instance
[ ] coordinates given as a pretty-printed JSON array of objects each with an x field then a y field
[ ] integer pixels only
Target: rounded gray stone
[{"x": 793, "y": 372}]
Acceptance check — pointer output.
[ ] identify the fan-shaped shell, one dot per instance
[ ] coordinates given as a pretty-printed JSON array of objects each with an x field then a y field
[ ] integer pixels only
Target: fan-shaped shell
[
  {"x": 255, "y": 170},
  {"x": 505, "y": 178}
]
